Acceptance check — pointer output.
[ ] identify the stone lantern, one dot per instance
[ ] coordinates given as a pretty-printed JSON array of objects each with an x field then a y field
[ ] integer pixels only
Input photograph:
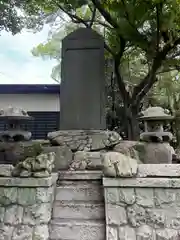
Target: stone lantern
[
  {"x": 157, "y": 147},
  {"x": 14, "y": 117},
  {"x": 154, "y": 119},
  {"x": 14, "y": 141}
]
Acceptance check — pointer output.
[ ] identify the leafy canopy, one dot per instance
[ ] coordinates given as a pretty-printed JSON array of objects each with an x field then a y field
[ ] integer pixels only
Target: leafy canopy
[{"x": 145, "y": 25}]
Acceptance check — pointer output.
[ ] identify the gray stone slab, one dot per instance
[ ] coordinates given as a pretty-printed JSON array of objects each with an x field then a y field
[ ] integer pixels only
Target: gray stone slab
[
  {"x": 158, "y": 170},
  {"x": 85, "y": 193},
  {"x": 80, "y": 175},
  {"x": 77, "y": 230},
  {"x": 28, "y": 182},
  {"x": 80, "y": 211},
  {"x": 142, "y": 182},
  {"x": 82, "y": 81}
]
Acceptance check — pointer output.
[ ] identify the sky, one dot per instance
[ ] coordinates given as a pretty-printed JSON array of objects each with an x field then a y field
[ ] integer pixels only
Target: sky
[{"x": 18, "y": 65}]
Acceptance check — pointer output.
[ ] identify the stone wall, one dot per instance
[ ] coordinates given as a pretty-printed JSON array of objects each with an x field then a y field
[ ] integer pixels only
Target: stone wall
[
  {"x": 25, "y": 207},
  {"x": 87, "y": 206},
  {"x": 144, "y": 207},
  {"x": 79, "y": 207}
]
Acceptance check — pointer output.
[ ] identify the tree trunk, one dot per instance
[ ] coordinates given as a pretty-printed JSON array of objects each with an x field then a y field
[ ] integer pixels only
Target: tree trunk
[
  {"x": 134, "y": 127},
  {"x": 131, "y": 122}
]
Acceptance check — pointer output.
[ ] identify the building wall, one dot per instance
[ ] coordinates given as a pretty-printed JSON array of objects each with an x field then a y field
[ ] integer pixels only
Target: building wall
[
  {"x": 44, "y": 107},
  {"x": 32, "y": 102}
]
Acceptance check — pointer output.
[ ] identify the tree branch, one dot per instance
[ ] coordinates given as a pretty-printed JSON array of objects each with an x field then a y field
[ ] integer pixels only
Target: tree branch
[
  {"x": 103, "y": 24},
  {"x": 72, "y": 16},
  {"x": 93, "y": 18},
  {"x": 95, "y": 21},
  {"x": 145, "y": 85},
  {"x": 158, "y": 27},
  {"x": 108, "y": 49},
  {"x": 122, "y": 88},
  {"x": 127, "y": 16},
  {"x": 77, "y": 19},
  {"x": 105, "y": 14}
]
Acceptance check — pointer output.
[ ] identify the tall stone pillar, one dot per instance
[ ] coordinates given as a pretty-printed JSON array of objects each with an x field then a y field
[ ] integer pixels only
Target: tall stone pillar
[{"x": 82, "y": 82}]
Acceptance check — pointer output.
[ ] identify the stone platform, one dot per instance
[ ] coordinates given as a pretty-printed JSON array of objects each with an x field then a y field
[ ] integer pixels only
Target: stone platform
[{"x": 88, "y": 205}]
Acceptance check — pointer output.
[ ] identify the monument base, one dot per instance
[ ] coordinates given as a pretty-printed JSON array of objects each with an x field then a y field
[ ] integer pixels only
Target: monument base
[
  {"x": 84, "y": 140},
  {"x": 85, "y": 149}
]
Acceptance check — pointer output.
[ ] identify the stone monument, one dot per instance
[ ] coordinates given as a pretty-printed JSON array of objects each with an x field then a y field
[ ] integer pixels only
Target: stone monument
[
  {"x": 82, "y": 93},
  {"x": 83, "y": 133},
  {"x": 158, "y": 149}
]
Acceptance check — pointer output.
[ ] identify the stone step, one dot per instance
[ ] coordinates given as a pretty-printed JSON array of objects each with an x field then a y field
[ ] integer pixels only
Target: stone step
[
  {"x": 78, "y": 211},
  {"x": 74, "y": 230},
  {"x": 79, "y": 193}
]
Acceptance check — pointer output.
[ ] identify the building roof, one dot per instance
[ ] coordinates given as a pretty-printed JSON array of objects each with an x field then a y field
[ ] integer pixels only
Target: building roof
[{"x": 29, "y": 88}]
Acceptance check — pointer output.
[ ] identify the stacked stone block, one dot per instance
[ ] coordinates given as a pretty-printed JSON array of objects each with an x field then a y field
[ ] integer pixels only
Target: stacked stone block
[
  {"x": 25, "y": 207},
  {"x": 145, "y": 207},
  {"x": 79, "y": 207}
]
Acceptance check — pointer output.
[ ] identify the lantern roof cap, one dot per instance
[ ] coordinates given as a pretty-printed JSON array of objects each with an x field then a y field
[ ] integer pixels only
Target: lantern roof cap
[
  {"x": 14, "y": 113},
  {"x": 155, "y": 113}
]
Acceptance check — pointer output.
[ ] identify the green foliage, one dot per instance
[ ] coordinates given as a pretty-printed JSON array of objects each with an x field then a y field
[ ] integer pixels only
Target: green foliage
[
  {"x": 137, "y": 24},
  {"x": 133, "y": 67},
  {"x": 50, "y": 49},
  {"x": 142, "y": 24},
  {"x": 29, "y": 150},
  {"x": 10, "y": 19},
  {"x": 166, "y": 92}
]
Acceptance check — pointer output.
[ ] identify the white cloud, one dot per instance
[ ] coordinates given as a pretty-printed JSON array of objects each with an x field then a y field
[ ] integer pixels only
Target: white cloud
[{"x": 17, "y": 65}]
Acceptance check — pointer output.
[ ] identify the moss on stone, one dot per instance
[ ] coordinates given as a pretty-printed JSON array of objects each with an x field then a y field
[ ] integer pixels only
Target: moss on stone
[
  {"x": 19, "y": 151},
  {"x": 43, "y": 142},
  {"x": 32, "y": 150}
]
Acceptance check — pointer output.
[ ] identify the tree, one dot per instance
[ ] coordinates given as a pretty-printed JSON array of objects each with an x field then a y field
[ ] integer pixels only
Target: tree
[
  {"x": 18, "y": 14},
  {"x": 12, "y": 15},
  {"x": 149, "y": 29},
  {"x": 9, "y": 18}
]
